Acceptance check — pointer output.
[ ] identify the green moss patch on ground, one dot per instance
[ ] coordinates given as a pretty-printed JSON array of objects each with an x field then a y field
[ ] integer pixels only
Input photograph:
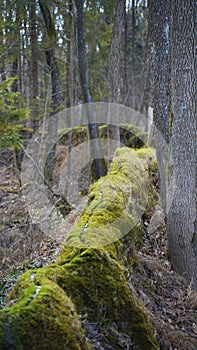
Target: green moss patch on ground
[{"x": 89, "y": 276}]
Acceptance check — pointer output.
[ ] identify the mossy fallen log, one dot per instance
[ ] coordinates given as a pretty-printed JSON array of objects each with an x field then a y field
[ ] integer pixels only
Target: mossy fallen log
[
  {"x": 89, "y": 278},
  {"x": 130, "y": 135}
]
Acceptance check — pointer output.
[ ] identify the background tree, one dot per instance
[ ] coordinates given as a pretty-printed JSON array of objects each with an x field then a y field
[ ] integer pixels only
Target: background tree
[
  {"x": 118, "y": 76},
  {"x": 55, "y": 83},
  {"x": 71, "y": 57},
  {"x": 42, "y": 39},
  {"x": 137, "y": 53},
  {"x": 34, "y": 61},
  {"x": 98, "y": 165},
  {"x": 98, "y": 23},
  {"x": 24, "y": 29},
  {"x": 11, "y": 116},
  {"x": 159, "y": 31}
]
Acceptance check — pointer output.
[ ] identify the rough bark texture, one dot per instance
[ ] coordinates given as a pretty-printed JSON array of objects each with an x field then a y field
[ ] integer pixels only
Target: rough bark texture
[
  {"x": 133, "y": 47},
  {"x": 34, "y": 63},
  {"x": 159, "y": 29},
  {"x": 118, "y": 81},
  {"x": 182, "y": 162},
  {"x": 3, "y": 61},
  {"x": 70, "y": 64},
  {"x": 99, "y": 168},
  {"x": 56, "y": 86}
]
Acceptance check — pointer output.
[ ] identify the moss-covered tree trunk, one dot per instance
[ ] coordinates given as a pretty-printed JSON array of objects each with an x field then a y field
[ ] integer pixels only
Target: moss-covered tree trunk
[{"x": 89, "y": 278}]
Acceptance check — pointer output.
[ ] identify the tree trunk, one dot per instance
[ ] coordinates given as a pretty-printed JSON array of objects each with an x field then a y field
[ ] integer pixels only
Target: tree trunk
[
  {"x": 3, "y": 59},
  {"x": 133, "y": 53},
  {"x": 159, "y": 28},
  {"x": 173, "y": 90},
  {"x": 182, "y": 163},
  {"x": 34, "y": 63},
  {"x": 118, "y": 81},
  {"x": 70, "y": 58},
  {"x": 56, "y": 87},
  {"x": 145, "y": 98},
  {"x": 14, "y": 74},
  {"x": 50, "y": 57},
  {"x": 98, "y": 165},
  {"x": 90, "y": 274}
]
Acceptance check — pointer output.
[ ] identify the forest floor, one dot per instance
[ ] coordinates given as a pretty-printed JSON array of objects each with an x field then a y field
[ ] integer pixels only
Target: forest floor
[{"x": 169, "y": 303}]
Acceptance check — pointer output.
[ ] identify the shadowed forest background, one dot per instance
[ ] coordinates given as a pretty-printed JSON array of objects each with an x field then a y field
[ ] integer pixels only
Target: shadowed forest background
[{"x": 141, "y": 54}]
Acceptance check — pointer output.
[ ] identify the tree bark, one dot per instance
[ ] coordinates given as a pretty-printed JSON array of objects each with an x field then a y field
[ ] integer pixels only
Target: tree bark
[
  {"x": 3, "y": 60},
  {"x": 133, "y": 52},
  {"x": 34, "y": 63},
  {"x": 56, "y": 86},
  {"x": 182, "y": 163},
  {"x": 98, "y": 165},
  {"x": 118, "y": 80},
  {"x": 173, "y": 91},
  {"x": 3, "y": 44},
  {"x": 70, "y": 58},
  {"x": 118, "y": 77},
  {"x": 159, "y": 29}
]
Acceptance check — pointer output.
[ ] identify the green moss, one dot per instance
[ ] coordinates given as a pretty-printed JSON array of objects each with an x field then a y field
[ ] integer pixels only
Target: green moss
[
  {"x": 89, "y": 276},
  {"x": 130, "y": 135},
  {"x": 43, "y": 318},
  {"x": 97, "y": 286},
  {"x": 76, "y": 135},
  {"x": 116, "y": 201}
]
